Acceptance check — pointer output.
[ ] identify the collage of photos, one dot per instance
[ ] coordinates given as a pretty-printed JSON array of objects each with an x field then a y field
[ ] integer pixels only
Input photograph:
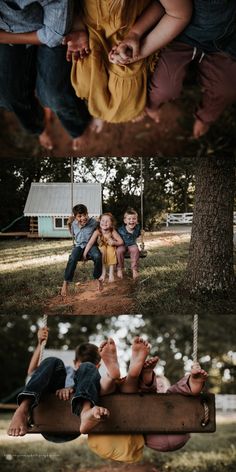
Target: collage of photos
[{"x": 118, "y": 235}]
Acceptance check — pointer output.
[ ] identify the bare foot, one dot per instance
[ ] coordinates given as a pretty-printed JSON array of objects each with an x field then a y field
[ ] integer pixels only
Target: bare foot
[
  {"x": 119, "y": 273},
  {"x": 147, "y": 370},
  {"x": 108, "y": 353},
  {"x": 64, "y": 289},
  {"x": 197, "y": 379},
  {"x": 153, "y": 114},
  {"x": 140, "y": 350},
  {"x": 19, "y": 422},
  {"x": 135, "y": 274},
  {"x": 111, "y": 279},
  {"x": 200, "y": 128},
  {"x": 91, "y": 417},
  {"x": 96, "y": 125},
  {"x": 100, "y": 284},
  {"x": 139, "y": 117},
  {"x": 45, "y": 138}
]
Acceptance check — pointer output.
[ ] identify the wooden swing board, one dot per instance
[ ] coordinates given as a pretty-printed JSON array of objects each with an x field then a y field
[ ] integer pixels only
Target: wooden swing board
[{"x": 130, "y": 413}]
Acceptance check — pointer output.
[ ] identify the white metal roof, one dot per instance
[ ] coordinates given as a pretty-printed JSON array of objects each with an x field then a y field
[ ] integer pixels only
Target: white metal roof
[{"x": 55, "y": 199}]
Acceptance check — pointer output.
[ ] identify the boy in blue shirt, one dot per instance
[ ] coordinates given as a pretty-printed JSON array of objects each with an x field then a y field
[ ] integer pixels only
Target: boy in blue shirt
[
  {"x": 129, "y": 232},
  {"x": 34, "y": 72},
  {"x": 82, "y": 228}
]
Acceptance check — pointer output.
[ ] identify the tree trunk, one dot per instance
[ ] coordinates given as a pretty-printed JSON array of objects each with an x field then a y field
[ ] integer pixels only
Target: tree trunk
[{"x": 210, "y": 262}]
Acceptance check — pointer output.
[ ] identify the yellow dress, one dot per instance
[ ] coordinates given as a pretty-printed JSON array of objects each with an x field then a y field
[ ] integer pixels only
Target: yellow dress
[
  {"x": 113, "y": 93},
  {"x": 108, "y": 252},
  {"x": 119, "y": 447}
]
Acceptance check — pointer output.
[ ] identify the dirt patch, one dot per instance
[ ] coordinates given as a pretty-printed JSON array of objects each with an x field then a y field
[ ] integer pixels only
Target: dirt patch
[
  {"x": 148, "y": 467},
  {"x": 84, "y": 299}
]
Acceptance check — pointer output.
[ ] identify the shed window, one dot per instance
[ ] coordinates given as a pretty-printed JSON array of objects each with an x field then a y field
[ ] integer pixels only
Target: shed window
[{"x": 60, "y": 223}]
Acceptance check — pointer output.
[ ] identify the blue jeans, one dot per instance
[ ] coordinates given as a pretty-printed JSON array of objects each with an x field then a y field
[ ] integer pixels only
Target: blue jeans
[
  {"x": 51, "y": 375},
  {"x": 29, "y": 70},
  {"x": 77, "y": 255}
]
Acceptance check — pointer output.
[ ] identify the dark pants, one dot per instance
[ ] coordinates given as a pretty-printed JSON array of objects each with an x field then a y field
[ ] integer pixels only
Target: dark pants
[
  {"x": 77, "y": 255},
  {"x": 28, "y": 72},
  {"x": 51, "y": 375},
  {"x": 217, "y": 76}
]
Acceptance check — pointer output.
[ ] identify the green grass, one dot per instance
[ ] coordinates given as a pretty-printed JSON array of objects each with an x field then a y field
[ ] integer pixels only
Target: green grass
[
  {"x": 26, "y": 288},
  {"x": 159, "y": 290},
  {"x": 203, "y": 453}
]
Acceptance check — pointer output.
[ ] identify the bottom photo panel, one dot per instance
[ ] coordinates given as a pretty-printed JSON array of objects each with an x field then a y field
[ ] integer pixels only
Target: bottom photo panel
[{"x": 124, "y": 393}]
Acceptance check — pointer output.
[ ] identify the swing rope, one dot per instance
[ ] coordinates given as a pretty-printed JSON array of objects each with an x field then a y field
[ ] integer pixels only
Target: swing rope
[
  {"x": 206, "y": 415},
  {"x": 72, "y": 190},
  {"x": 43, "y": 344}
]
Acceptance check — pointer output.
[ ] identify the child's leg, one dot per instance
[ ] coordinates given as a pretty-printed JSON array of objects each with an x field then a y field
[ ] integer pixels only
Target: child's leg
[
  {"x": 134, "y": 258},
  {"x": 111, "y": 260},
  {"x": 108, "y": 353},
  {"x": 102, "y": 249},
  {"x": 197, "y": 379},
  {"x": 76, "y": 255},
  {"x": 140, "y": 350},
  {"x": 55, "y": 91},
  {"x": 48, "y": 377},
  {"x": 166, "y": 442},
  {"x": 120, "y": 253},
  {"x": 217, "y": 77},
  {"x": 167, "y": 79},
  {"x": 96, "y": 256},
  {"x": 86, "y": 397},
  {"x": 17, "y": 85},
  {"x": 111, "y": 273}
]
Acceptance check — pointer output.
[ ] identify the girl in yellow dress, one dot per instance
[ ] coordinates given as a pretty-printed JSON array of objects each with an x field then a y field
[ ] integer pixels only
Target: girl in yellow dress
[
  {"x": 107, "y": 239},
  {"x": 117, "y": 93}
]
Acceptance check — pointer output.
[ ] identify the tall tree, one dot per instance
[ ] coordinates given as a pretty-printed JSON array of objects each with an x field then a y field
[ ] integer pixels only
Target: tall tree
[{"x": 210, "y": 262}]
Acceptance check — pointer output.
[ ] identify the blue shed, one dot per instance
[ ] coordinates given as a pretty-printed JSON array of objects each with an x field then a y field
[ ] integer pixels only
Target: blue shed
[{"x": 49, "y": 204}]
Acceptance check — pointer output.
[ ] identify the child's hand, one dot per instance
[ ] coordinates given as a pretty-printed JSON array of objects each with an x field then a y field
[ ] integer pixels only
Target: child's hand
[
  {"x": 115, "y": 58},
  {"x": 111, "y": 242},
  {"x": 42, "y": 335},
  {"x": 77, "y": 44},
  {"x": 64, "y": 393},
  {"x": 85, "y": 256},
  {"x": 70, "y": 220},
  {"x": 129, "y": 47}
]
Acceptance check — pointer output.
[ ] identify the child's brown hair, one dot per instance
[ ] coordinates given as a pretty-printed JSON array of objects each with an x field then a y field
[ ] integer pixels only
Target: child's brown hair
[{"x": 87, "y": 352}]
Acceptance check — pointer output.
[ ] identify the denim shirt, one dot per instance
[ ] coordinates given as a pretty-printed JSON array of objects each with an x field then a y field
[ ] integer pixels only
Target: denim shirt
[
  {"x": 51, "y": 19},
  {"x": 212, "y": 27},
  {"x": 83, "y": 234},
  {"x": 129, "y": 238}
]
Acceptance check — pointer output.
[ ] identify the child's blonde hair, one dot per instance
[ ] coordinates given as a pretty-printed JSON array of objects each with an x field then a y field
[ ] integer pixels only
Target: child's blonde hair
[{"x": 130, "y": 211}]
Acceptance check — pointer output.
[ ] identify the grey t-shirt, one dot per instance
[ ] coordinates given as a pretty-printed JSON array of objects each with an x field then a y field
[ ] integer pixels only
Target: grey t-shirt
[{"x": 83, "y": 234}]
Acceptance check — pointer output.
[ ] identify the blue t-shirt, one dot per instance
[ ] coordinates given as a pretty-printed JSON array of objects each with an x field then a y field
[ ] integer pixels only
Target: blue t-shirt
[
  {"x": 51, "y": 19},
  {"x": 212, "y": 27},
  {"x": 83, "y": 234},
  {"x": 129, "y": 238}
]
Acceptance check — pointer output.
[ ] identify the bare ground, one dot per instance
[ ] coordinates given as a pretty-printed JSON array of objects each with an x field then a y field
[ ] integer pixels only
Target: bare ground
[{"x": 84, "y": 299}]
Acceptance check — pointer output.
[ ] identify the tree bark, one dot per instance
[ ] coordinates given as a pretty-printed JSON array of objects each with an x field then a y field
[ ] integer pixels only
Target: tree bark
[{"x": 210, "y": 262}]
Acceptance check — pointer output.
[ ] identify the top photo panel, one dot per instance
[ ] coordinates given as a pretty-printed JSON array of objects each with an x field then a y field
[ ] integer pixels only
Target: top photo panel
[{"x": 117, "y": 78}]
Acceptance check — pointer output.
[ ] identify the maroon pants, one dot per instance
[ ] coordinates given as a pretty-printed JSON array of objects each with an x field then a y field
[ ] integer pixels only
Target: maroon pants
[{"x": 217, "y": 76}]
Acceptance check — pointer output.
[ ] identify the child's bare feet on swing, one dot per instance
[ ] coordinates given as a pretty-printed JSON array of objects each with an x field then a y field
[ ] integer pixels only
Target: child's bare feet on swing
[
  {"x": 108, "y": 353},
  {"x": 140, "y": 350},
  {"x": 45, "y": 138},
  {"x": 135, "y": 274},
  {"x": 19, "y": 422},
  {"x": 120, "y": 273},
  {"x": 197, "y": 379},
  {"x": 90, "y": 417},
  {"x": 64, "y": 289},
  {"x": 147, "y": 370},
  {"x": 100, "y": 284}
]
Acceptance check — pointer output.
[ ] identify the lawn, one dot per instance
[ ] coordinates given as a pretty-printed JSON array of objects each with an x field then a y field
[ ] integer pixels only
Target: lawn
[
  {"x": 31, "y": 273},
  {"x": 204, "y": 453}
]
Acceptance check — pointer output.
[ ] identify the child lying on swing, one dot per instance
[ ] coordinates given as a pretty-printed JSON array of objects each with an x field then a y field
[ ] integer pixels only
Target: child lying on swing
[
  {"x": 107, "y": 239},
  {"x": 141, "y": 377}
]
